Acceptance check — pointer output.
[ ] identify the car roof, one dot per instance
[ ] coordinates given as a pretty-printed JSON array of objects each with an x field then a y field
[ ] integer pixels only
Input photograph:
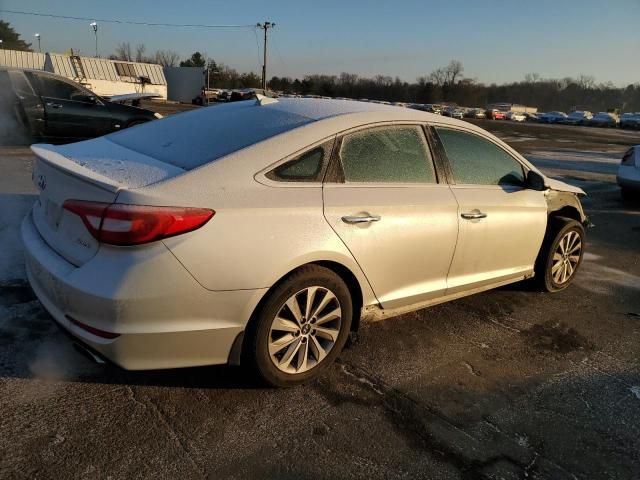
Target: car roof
[{"x": 191, "y": 139}]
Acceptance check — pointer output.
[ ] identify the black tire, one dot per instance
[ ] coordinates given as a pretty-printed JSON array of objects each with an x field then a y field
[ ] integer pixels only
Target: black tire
[
  {"x": 557, "y": 229},
  {"x": 628, "y": 195},
  {"x": 256, "y": 346}
]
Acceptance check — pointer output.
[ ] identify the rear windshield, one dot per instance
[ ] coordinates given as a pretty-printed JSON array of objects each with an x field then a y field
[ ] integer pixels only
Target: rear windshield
[{"x": 189, "y": 140}]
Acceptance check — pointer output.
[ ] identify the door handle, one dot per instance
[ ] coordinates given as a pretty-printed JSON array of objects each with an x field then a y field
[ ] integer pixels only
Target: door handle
[
  {"x": 360, "y": 219},
  {"x": 475, "y": 215},
  {"x": 54, "y": 105}
]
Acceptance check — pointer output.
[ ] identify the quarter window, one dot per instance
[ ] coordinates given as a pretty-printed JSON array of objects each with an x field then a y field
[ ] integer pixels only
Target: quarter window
[
  {"x": 477, "y": 161},
  {"x": 397, "y": 154},
  {"x": 307, "y": 167}
]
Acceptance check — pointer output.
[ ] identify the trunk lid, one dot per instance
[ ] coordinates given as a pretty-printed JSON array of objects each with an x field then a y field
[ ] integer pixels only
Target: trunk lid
[{"x": 94, "y": 170}]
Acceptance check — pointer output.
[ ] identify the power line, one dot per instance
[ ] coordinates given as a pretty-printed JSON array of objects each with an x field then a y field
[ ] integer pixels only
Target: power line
[
  {"x": 284, "y": 67},
  {"x": 128, "y": 22},
  {"x": 255, "y": 31}
]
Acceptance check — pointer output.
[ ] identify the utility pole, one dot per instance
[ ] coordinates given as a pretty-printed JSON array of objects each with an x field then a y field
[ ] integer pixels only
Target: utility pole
[{"x": 265, "y": 26}]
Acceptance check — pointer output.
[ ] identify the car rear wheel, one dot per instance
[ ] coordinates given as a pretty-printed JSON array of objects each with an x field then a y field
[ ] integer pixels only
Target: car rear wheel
[
  {"x": 628, "y": 195},
  {"x": 301, "y": 328},
  {"x": 560, "y": 255}
]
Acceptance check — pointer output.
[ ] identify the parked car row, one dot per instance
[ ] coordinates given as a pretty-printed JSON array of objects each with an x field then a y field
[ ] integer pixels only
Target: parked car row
[{"x": 577, "y": 117}]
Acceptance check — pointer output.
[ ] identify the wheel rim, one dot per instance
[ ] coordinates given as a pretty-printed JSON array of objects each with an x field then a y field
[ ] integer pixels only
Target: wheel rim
[
  {"x": 305, "y": 330},
  {"x": 566, "y": 257}
]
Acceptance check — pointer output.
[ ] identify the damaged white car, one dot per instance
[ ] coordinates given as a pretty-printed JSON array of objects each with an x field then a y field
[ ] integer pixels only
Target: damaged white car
[
  {"x": 629, "y": 174},
  {"x": 263, "y": 231}
]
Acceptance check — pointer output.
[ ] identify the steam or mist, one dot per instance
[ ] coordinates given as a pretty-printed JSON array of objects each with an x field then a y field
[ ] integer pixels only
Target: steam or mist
[
  {"x": 12, "y": 130},
  {"x": 13, "y": 209},
  {"x": 55, "y": 361}
]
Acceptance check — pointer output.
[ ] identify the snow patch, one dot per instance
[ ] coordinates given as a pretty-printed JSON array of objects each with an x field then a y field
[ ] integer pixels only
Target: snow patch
[{"x": 636, "y": 391}]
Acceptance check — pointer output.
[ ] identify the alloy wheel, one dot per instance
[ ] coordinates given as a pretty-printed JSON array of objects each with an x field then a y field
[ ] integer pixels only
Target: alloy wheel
[
  {"x": 304, "y": 330},
  {"x": 566, "y": 257}
]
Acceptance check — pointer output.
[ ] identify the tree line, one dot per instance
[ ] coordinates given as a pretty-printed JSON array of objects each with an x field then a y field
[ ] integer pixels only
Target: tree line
[{"x": 449, "y": 85}]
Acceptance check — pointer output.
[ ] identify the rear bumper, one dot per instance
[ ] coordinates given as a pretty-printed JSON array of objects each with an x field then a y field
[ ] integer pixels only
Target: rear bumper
[{"x": 164, "y": 318}]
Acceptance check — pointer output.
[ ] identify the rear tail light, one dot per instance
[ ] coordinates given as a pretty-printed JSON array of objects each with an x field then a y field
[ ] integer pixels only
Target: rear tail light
[
  {"x": 121, "y": 224},
  {"x": 627, "y": 158}
]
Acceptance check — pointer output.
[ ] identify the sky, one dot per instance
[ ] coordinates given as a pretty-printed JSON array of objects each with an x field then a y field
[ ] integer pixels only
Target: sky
[{"x": 496, "y": 40}]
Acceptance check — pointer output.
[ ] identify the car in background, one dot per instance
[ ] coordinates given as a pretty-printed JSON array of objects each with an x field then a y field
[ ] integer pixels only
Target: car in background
[
  {"x": 552, "y": 117},
  {"x": 629, "y": 174},
  {"x": 44, "y": 105},
  {"x": 453, "y": 112},
  {"x": 531, "y": 117},
  {"x": 630, "y": 120},
  {"x": 475, "y": 113},
  {"x": 603, "y": 119},
  {"x": 578, "y": 117},
  {"x": 224, "y": 96},
  {"x": 495, "y": 114},
  {"x": 242, "y": 94},
  {"x": 431, "y": 108},
  {"x": 516, "y": 116},
  {"x": 154, "y": 249}
]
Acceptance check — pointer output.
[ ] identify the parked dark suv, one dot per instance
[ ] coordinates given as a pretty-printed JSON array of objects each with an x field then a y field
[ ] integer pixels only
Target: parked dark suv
[{"x": 39, "y": 104}]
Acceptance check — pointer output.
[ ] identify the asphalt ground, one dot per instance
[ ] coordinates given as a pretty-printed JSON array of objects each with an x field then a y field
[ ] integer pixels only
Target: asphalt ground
[{"x": 511, "y": 383}]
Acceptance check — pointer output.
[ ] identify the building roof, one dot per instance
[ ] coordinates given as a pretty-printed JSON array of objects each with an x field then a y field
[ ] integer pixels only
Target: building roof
[
  {"x": 19, "y": 59},
  {"x": 93, "y": 68}
]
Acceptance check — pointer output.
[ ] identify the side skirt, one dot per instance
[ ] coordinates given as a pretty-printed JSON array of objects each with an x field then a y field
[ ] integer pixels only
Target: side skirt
[{"x": 374, "y": 313}]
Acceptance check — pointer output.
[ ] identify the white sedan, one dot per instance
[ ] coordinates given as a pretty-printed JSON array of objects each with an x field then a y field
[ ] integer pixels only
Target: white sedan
[
  {"x": 263, "y": 231},
  {"x": 516, "y": 116},
  {"x": 629, "y": 173}
]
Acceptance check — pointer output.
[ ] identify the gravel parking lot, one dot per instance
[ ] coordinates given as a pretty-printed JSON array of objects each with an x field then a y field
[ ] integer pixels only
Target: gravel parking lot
[{"x": 511, "y": 383}]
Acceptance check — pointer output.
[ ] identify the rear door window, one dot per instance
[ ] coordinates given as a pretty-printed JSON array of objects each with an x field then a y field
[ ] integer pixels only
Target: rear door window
[
  {"x": 394, "y": 154},
  {"x": 477, "y": 161},
  {"x": 54, "y": 88}
]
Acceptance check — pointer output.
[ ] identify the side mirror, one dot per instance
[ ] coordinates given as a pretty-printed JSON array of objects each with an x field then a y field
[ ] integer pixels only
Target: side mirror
[{"x": 535, "y": 181}]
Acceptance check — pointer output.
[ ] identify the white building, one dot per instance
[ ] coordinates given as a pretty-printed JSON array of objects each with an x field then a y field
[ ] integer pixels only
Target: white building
[
  {"x": 512, "y": 107},
  {"x": 102, "y": 76}
]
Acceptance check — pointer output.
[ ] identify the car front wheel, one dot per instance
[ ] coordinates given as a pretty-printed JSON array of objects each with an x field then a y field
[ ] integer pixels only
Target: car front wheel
[
  {"x": 301, "y": 328},
  {"x": 560, "y": 255}
]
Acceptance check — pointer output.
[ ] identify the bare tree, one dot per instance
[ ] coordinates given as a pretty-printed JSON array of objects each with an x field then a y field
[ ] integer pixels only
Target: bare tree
[
  {"x": 438, "y": 76},
  {"x": 123, "y": 52},
  {"x": 454, "y": 71},
  {"x": 167, "y": 58},
  {"x": 140, "y": 49},
  {"x": 532, "y": 77}
]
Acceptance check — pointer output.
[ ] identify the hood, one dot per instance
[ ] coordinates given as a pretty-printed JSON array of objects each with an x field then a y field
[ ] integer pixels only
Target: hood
[{"x": 562, "y": 186}]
